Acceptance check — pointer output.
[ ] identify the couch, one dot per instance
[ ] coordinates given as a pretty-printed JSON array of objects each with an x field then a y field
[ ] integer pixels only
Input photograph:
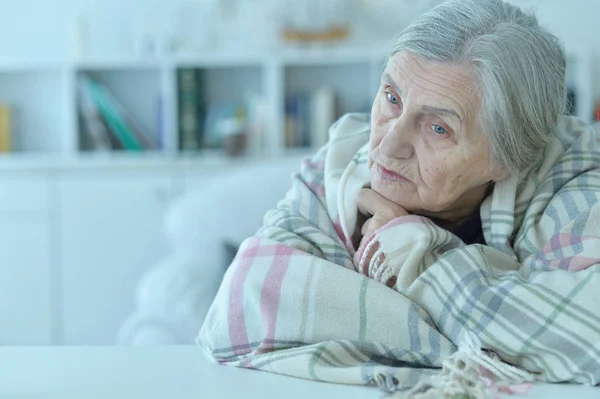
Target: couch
[{"x": 203, "y": 229}]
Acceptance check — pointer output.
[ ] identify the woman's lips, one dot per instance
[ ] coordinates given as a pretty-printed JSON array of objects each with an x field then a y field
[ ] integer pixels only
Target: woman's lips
[{"x": 389, "y": 175}]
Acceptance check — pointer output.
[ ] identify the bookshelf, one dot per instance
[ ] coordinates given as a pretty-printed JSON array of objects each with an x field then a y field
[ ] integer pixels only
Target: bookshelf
[{"x": 43, "y": 96}]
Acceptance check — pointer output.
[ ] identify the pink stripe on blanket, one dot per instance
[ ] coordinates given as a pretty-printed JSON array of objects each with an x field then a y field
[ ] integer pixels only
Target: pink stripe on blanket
[
  {"x": 572, "y": 263},
  {"x": 362, "y": 266},
  {"x": 271, "y": 293},
  {"x": 238, "y": 336},
  {"x": 317, "y": 188},
  {"x": 347, "y": 240},
  {"x": 552, "y": 254},
  {"x": 270, "y": 251}
]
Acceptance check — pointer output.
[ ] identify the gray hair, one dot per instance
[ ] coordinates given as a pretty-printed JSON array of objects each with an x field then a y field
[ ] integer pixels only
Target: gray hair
[{"x": 520, "y": 68}]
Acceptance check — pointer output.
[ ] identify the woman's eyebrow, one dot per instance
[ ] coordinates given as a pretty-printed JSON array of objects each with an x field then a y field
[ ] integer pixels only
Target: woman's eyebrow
[
  {"x": 386, "y": 77},
  {"x": 445, "y": 111}
]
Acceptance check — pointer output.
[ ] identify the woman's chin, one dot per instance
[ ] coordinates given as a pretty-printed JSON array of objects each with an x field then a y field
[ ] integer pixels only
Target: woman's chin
[
  {"x": 391, "y": 193},
  {"x": 405, "y": 197}
]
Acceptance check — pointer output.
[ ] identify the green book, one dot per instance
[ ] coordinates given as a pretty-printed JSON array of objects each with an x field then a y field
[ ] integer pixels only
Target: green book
[{"x": 190, "y": 108}]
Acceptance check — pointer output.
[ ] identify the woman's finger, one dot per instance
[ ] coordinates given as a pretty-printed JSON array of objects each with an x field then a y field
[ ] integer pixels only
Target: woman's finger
[
  {"x": 370, "y": 202},
  {"x": 363, "y": 204},
  {"x": 365, "y": 227}
]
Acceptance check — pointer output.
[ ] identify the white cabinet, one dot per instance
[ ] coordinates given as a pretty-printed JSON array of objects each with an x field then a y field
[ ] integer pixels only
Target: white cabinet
[
  {"x": 25, "y": 303},
  {"x": 24, "y": 193},
  {"x": 110, "y": 225}
]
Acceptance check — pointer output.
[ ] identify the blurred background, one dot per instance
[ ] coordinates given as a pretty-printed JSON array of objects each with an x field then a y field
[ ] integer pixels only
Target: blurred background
[{"x": 142, "y": 141}]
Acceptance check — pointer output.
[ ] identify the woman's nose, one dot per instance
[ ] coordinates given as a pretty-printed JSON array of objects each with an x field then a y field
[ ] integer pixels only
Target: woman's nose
[{"x": 397, "y": 141}]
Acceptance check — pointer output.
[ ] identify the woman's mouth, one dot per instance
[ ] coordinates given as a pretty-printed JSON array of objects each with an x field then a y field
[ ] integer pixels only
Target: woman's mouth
[{"x": 386, "y": 174}]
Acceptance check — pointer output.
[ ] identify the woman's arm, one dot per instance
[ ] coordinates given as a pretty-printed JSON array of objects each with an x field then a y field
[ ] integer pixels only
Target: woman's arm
[
  {"x": 537, "y": 308},
  {"x": 302, "y": 221},
  {"x": 289, "y": 304}
]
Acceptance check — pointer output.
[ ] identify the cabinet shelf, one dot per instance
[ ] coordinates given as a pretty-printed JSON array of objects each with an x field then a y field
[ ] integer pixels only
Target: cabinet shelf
[
  {"x": 44, "y": 94},
  {"x": 212, "y": 59},
  {"x": 13, "y": 65},
  {"x": 118, "y": 63},
  {"x": 201, "y": 160}
]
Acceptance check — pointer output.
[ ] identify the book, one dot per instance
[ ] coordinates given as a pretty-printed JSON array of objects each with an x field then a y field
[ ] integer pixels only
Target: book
[
  {"x": 289, "y": 122},
  {"x": 297, "y": 120},
  {"x": 324, "y": 114},
  {"x": 160, "y": 122},
  {"x": 5, "y": 128},
  {"x": 190, "y": 109},
  {"x": 256, "y": 109},
  {"x": 94, "y": 134},
  {"x": 110, "y": 112},
  {"x": 136, "y": 128},
  {"x": 304, "y": 114}
]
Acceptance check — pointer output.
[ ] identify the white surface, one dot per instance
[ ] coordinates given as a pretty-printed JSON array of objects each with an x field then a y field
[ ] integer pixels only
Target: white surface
[{"x": 173, "y": 372}]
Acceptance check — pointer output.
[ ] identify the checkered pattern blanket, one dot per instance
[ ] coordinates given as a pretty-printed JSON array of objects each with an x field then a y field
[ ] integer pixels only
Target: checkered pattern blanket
[{"x": 294, "y": 302}]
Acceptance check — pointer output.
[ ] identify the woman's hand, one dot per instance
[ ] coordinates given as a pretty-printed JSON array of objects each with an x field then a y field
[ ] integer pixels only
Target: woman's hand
[{"x": 379, "y": 211}]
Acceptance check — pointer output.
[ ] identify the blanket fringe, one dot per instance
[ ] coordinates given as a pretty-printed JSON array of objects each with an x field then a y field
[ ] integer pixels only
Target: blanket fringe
[{"x": 471, "y": 373}]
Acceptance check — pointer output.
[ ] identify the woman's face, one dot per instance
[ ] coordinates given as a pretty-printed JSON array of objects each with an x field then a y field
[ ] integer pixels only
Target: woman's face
[{"x": 427, "y": 150}]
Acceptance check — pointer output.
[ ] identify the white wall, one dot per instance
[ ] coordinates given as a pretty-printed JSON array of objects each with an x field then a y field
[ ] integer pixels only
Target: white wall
[
  {"x": 575, "y": 22},
  {"x": 40, "y": 29}
]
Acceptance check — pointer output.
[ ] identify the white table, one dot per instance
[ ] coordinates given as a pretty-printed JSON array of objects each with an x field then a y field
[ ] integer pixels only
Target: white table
[{"x": 171, "y": 372}]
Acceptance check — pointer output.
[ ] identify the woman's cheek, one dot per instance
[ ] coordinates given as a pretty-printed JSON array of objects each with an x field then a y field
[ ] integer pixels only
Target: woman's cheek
[{"x": 434, "y": 176}]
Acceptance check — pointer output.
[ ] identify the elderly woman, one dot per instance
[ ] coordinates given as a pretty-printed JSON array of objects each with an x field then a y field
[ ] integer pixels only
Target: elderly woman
[{"x": 456, "y": 228}]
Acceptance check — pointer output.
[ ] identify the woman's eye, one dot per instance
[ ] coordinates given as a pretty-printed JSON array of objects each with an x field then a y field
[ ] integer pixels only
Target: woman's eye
[
  {"x": 391, "y": 98},
  {"x": 439, "y": 129}
]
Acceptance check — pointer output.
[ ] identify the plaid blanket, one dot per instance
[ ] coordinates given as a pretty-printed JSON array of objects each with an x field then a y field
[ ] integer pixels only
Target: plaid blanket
[{"x": 294, "y": 302}]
